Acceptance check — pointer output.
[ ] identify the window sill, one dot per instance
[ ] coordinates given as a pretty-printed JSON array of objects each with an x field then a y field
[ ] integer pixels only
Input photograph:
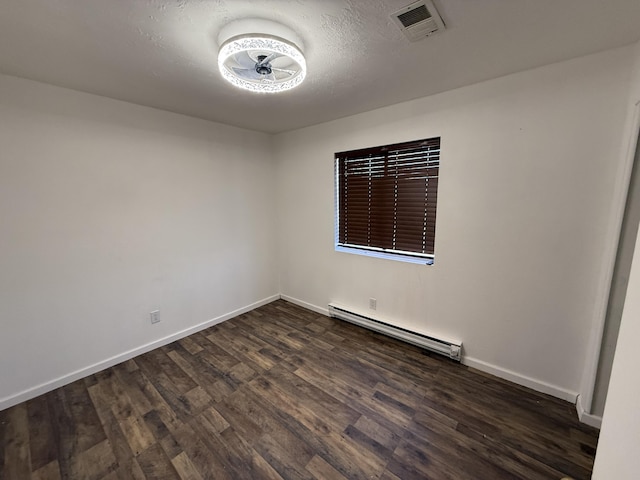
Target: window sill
[{"x": 385, "y": 255}]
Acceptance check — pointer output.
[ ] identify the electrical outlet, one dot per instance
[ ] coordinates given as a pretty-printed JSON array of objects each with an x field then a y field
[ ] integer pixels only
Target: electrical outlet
[
  {"x": 155, "y": 316},
  {"x": 373, "y": 303}
]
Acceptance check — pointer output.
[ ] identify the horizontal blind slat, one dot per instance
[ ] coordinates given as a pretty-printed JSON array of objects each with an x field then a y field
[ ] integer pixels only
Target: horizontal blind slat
[{"x": 387, "y": 196}]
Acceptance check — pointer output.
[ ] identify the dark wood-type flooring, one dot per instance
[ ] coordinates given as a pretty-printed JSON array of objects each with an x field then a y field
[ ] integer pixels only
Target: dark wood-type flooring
[{"x": 282, "y": 392}]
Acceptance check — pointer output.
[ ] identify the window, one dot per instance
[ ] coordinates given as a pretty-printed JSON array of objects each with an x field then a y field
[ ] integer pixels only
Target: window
[{"x": 387, "y": 199}]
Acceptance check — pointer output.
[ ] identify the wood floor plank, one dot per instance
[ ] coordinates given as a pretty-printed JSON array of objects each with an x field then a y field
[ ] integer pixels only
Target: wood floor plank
[
  {"x": 155, "y": 464},
  {"x": 185, "y": 468},
  {"x": 178, "y": 402},
  {"x": 121, "y": 418},
  {"x": 215, "y": 419},
  {"x": 206, "y": 462},
  {"x": 417, "y": 466},
  {"x": 94, "y": 463},
  {"x": 406, "y": 396},
  {"x": 324, "y": 405},
  {"x": 322, "y": 470},
  {"x": 387, "y": 475},
  {"x": 232, "y": 467},
  {"x": 341, "y": 451},
  {"x": 88, "y": 428},
  {"x": 348, "y": 395},
  {"x": 279, "y": 342},
  {"x": 130, "y": 381},
  {"x": 154, "y": 399},
  {"x": 261, "y": 426},
  {"x": 41, "y": 439},
  {"x": 17, "y": 459},
  {"x": 359, "y": 400},
  {"x": 473, "y": 455},
  {"x": 129, "y": 470},
  {"x": 377, "y": 432},
  {"x": 65, "y": 432},
  {"x": 246, "y": 416},
  {"x": 163, "y": 382},
  {"x": 215, "y": 355},
  {"x": 170, "y": 446},
  {"x": 516, "y": 461},
  {"x": 246, "y": 354},
  {"x": 237, "y": 334},
  {"x": 269, "y": 422},
  {"x": 117, "y": 439},
  {"x": 137, "y": 434},
  {"x": 178, "y": 377},
  {"x": 284, "y": 454},
  {"x": 51, "y": 471},
  {"x": 346, "y": 365},
  {"x": 204, "y": 374},
  {"x": 247, "y": 460},
  {"x": 284, "y": 393},
  {"x": 289, "y": 406},
  {"x": 190, "y": 345},
  {"x": 522, "y": 436}
]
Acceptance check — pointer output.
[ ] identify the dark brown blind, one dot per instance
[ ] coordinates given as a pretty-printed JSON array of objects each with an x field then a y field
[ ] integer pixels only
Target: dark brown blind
[{"x": 387, "y": 197}]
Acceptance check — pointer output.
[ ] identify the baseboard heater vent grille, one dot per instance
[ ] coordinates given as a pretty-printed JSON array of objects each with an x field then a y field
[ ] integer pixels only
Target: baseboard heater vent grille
[{"x": 443, "y": 347}]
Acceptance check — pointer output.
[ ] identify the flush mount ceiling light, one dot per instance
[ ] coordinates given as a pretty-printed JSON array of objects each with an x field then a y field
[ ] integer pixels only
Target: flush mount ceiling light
[{"x": 269, "y": 61}]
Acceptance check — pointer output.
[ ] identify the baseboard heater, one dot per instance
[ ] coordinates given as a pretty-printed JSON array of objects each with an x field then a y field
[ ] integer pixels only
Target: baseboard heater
[{"x": 443, "y": 347}]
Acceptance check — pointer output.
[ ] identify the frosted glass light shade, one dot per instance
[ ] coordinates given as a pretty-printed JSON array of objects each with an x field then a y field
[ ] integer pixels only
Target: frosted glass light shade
[{"x": 267, "y": 45}]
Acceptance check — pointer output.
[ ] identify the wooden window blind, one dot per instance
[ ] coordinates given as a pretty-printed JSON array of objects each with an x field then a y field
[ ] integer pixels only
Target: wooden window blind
[{"x": 387, "y": 197}]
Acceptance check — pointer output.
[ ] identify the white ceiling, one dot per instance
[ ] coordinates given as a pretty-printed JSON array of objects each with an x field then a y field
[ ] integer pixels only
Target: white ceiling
[{"x": 162, "y": 53}]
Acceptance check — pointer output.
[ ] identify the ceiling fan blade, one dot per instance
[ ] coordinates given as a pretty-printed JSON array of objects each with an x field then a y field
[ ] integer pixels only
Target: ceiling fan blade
[
  {"x": 244, "y": 60},
  {"x": 249, "y": 73},
  {"x": 284, "y": 70},
  {"x": 269, "y": 58}
]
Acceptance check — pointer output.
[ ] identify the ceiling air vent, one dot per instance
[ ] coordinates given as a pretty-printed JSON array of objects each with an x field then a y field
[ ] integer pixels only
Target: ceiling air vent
[{"x": 418, "y": 20}]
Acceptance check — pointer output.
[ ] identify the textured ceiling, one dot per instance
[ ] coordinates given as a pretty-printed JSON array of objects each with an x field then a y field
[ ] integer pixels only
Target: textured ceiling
[{"x": 163, "y": 53}]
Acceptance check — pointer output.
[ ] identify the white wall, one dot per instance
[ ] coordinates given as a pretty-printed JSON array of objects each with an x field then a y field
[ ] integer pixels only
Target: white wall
[
  {"x": 527, "y": 176},
  {"x": 109, "y": 210},
  {"x": 619, "y": 442},
  {"x": 620, "y": 280},
  {"x": 623, "y": 223}
]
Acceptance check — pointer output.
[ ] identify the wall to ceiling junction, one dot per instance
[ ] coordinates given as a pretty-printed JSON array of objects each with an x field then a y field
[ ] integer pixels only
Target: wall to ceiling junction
[
  {"x": 110, "y": 210},
  {"x": 527, "y": 177}
]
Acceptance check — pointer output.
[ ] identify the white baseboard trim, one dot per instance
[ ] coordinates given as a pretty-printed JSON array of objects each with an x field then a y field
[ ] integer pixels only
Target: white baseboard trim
[
  {"x": 504, "y": 373},
  {"x": 540, "y": 386},
  {"x": 525, "y": 381},
  {"x": 33, "y": 392},
  {"x": 308, "y": 306},
  {"x": 587, "y": 418}
]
